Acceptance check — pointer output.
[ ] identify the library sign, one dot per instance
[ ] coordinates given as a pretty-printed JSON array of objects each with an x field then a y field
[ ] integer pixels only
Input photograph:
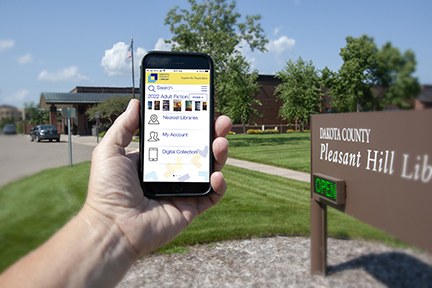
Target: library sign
[{"x": 376, "y": 167}]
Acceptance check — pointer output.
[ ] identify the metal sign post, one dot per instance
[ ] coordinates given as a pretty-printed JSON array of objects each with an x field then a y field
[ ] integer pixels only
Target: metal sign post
[
  {"x": 69, "y": 137},
  {"x": 97, "y": 125},
  {"x": 318, "y": 238},
  {"x": 69, "y": 112}
]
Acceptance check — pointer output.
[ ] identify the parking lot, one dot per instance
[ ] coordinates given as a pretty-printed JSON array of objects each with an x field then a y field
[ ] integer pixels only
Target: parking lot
[{"x": 19, "y": 157}]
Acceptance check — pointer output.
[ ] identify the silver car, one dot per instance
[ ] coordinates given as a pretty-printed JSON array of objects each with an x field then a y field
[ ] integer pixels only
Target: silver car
[
  {"x": 9, "y": 129},
  {"x": 45, "y": 132}
]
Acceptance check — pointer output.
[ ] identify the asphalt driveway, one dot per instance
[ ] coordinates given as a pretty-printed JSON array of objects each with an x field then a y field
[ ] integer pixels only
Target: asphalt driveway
[{"x": 19, "y": 157}]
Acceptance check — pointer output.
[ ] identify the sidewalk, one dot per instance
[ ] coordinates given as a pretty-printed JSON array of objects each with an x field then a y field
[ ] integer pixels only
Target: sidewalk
[
  {"x": 92, "y": 141},
  {"x": 268, "y": 169}
]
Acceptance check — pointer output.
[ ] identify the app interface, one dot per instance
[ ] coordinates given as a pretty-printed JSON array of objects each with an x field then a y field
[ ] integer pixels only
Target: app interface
[{"x": 177, "y": 121}]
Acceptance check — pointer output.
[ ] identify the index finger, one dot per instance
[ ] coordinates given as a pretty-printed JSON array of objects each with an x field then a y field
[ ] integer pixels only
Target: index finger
[
  {"x": 222, "y": 126},
  {"x": 220, "y": 144}
]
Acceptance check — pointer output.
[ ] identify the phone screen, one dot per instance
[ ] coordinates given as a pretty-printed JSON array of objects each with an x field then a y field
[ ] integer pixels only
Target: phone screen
[{"x": 176, "y": 125}]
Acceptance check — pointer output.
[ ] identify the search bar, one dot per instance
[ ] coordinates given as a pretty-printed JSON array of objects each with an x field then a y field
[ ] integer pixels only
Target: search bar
[{"x": 176, "y": 88}]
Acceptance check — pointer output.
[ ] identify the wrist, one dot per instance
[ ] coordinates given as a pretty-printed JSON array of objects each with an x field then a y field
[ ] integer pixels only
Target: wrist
[
  {"x": 106, "y": 229},
  {"x": 89, "y": 251},
  {"x": 111, "y": 253}
]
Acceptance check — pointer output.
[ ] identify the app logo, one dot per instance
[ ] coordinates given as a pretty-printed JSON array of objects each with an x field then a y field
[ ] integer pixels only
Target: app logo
[{"x": 152, "y": 78}]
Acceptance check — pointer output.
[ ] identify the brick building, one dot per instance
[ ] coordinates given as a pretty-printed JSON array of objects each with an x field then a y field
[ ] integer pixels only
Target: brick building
[
  {"x": 424, "y": 101},
  {"x": 84, "y": 97},
  {"x": 11, "y": 112},
  {"x": 81, "y": 98}
]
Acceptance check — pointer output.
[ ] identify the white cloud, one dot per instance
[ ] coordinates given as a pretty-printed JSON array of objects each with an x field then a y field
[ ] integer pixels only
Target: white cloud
[
  {"x": 115, "y": 63},
  {"x": 6, "y": 44},
  {"x": 282, "y": 44},
  {"x": 67, "y": 74},
  {"x": 162, "y": 46},
  {"x": 17, "y": 98},
  {"x": 275, "y": 31},
  {"x": 138, "y": 55},
  {"x": 26, "y": 59}
]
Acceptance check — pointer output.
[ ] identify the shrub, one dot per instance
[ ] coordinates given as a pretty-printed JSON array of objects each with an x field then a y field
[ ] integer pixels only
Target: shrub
[
  {"x": 20, "y": 126},
  {"x": 297, "y": 131},
  {"x": 254, "y": 131},
  {"x": 271, "y": 131},
  {"x": 257, "y": 131}
]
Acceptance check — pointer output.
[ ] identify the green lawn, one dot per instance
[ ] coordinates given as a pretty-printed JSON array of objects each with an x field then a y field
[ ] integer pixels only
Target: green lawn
[
  {"x": 287, "y": 150},
  {"x": 256, "y": 204},
  {"x": 34, "y": 208}
]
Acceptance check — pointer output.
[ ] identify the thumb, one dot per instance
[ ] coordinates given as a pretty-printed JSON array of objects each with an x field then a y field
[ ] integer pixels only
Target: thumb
[{"x": 124, "y": 127}]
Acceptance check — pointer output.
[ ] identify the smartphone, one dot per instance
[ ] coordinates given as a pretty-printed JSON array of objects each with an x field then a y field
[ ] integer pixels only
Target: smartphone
[{"x": 176, "y": 124}]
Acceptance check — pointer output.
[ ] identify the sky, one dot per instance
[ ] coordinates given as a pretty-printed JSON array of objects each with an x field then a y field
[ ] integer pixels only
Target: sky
[{"x": 54, "y": 46}]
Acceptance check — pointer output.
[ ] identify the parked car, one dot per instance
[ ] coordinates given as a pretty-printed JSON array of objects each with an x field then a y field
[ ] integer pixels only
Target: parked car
[
  {"x": 45, "y": 132},
  {"x": 9, "y": 129}
]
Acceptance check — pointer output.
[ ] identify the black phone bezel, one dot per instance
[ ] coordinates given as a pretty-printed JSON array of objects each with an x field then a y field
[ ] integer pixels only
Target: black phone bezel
[{"x": 175, "y": 60}]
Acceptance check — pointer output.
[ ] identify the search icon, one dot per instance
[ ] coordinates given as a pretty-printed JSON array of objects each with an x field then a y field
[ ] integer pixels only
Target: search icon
[{"x": 151, "y": 88}]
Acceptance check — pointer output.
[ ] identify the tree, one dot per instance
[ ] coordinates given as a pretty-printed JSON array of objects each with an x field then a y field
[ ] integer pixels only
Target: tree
[
  {"x": 215, "y": 29},
  {"x": 37, "y": 115},
  {"x": 397, "y": 80},
  {"x": 240, "y": 91},
  {"x": 351, "y": 90},
  {"x": 300, "y": 91},
  {"x": 365, "y": 66},
  {"x": 110, "y": 109}
]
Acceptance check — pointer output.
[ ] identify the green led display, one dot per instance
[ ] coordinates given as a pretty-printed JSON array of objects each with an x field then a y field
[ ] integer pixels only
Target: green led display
[{"x": 325, "y": 187}]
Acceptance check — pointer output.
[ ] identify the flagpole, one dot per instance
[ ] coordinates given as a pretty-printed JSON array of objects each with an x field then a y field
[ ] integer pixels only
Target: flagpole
[{"x": 133, "y": 76}]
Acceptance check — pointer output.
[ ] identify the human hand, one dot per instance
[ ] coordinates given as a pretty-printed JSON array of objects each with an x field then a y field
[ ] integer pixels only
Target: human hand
[
  {"x": 117, "y": 224},
  {"x": 115, "y": 197}
]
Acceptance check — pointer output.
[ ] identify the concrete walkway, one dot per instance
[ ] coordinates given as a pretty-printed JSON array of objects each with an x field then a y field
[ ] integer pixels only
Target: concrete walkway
[
  {"x": 282, "y": 172},
  {"x": 92, "y": 141},
  {"x": 268, "y": 169}
]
